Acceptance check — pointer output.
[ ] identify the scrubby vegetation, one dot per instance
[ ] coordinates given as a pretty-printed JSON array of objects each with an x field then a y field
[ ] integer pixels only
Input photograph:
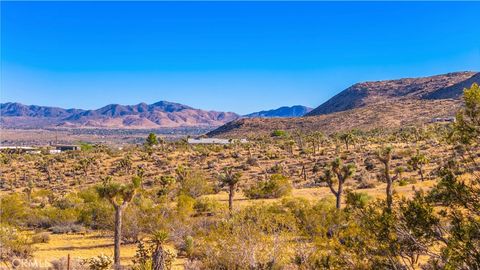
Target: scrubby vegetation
[{"x": 379, "y": 199}]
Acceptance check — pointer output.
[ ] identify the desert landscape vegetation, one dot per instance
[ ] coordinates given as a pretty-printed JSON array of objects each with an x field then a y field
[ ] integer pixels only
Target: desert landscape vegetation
[
  {"x": 239, "y": 135},
  {"x": 396, "y": 198}
]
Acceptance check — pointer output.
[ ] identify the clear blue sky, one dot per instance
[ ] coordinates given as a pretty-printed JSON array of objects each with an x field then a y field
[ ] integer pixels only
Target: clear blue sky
[{"x": 228, "y": 56}]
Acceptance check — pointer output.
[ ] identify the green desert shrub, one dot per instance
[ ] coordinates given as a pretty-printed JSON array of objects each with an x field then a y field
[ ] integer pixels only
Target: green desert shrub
[
  {"x": 403, "y": 182},
  {"x": 256, "y": 237},
  {"x": 96, "y": 215},
  {"x": 357, "y": 199},
  {"x": 14, "y": 209},
  {"x": 185, "y": 205},
  {"x": 54, "y": 216},
  {"x": 14, "y": 243},
  {"x": 277, "y": 186},
  {"x": 278, "y": 133},
  {"x": 206, "y": 206},
  {"x": 193, "y": 182}
]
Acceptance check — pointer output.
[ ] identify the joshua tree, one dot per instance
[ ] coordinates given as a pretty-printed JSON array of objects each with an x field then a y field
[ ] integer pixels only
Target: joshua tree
[
  {"x": 125, "y": 164},
  {"x": 316, "y": 139},
  {"x": 385, "y": 156},
  {"x": 298, "y": 135},
  {"x": 399, "y": 171},
  {"x": 347, "y": 138},
  {"x": 119, "y": 195},
  {"x": 159, "y": 254},
  {"x": 289, "y": 145},
  {"x": 29, "y": 189},
  {"x": 417, "y": 162},
  {"x": 339, "y": 173},
  {"x": 45, "y": 166},
  {"x": 162, "y": 142},
  {"x": 85, "y": 164},
  {"x": 230, "y": 179}
]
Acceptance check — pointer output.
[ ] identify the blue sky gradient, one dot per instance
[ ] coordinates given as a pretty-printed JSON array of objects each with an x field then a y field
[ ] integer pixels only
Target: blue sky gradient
[{"x": 227, "y": 56}]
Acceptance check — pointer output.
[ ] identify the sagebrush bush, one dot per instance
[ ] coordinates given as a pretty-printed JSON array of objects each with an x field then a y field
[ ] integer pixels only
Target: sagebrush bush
[
  {"x": 69, "y": 228},
  {"x": 43, "y": 237},
  {"x": 61, "y": 264}
]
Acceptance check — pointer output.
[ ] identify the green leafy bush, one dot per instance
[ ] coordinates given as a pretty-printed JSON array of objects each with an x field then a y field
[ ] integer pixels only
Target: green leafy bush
[
  {"x": 206, "y": 206},
  {"x": 193, "y": 183},
  {"x": 277, "y": 186},
  {"x": 14, "y": 209},
  {"x": 279, "y": 133}
]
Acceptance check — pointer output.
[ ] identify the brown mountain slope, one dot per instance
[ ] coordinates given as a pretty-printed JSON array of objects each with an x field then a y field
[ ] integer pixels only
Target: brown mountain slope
[
  {"x": 386, "y": 114},
  {"x": 387, "y": 104},
  {"x": 367, "y": 93}
]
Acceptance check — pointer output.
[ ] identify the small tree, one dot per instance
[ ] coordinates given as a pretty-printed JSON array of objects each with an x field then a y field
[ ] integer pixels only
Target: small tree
[
  {"x": 467, "y": 125},
  {"x": 338, "y": 173},
  {"x": 417, "y": 162},
  {"x": 230, "y": 179},
  {"x": 151, "y": 140},
  {"x": 119, "y": 195},
  {"x": 385, "y": 156}
]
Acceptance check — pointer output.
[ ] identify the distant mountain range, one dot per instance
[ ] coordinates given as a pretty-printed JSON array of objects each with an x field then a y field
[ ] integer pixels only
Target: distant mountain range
[
  {"x": 293, "y": 111},
  {"x": 386, "y": 104},
  {"x": 162, "y": 114}
]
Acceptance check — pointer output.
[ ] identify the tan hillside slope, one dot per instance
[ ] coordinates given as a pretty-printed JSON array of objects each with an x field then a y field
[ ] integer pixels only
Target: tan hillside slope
[
  {"x": 387, "y": 114},
  {"x": 367, "y": 93},
  {"x": 386, "y": 104}
]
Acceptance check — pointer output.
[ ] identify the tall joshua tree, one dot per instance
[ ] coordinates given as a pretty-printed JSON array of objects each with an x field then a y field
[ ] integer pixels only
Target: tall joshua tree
[
  {"x": 337, "y": 173},
  {"x": 230, "y": 179},
  {"x": 385, "y": 156},
  {"x": 119, "y": 195}
]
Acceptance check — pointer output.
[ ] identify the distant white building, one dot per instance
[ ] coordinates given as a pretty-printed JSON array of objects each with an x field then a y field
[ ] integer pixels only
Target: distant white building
[{"x": 214, "y": 141}]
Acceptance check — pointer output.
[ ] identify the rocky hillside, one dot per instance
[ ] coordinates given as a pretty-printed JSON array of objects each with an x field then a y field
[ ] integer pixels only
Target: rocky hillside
[
  {"x": 387, "y": 104},
  {"x": 293, "y": 111},
  {"x": 368, "y": 93},
  {"x": 162, "y": 114}
]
